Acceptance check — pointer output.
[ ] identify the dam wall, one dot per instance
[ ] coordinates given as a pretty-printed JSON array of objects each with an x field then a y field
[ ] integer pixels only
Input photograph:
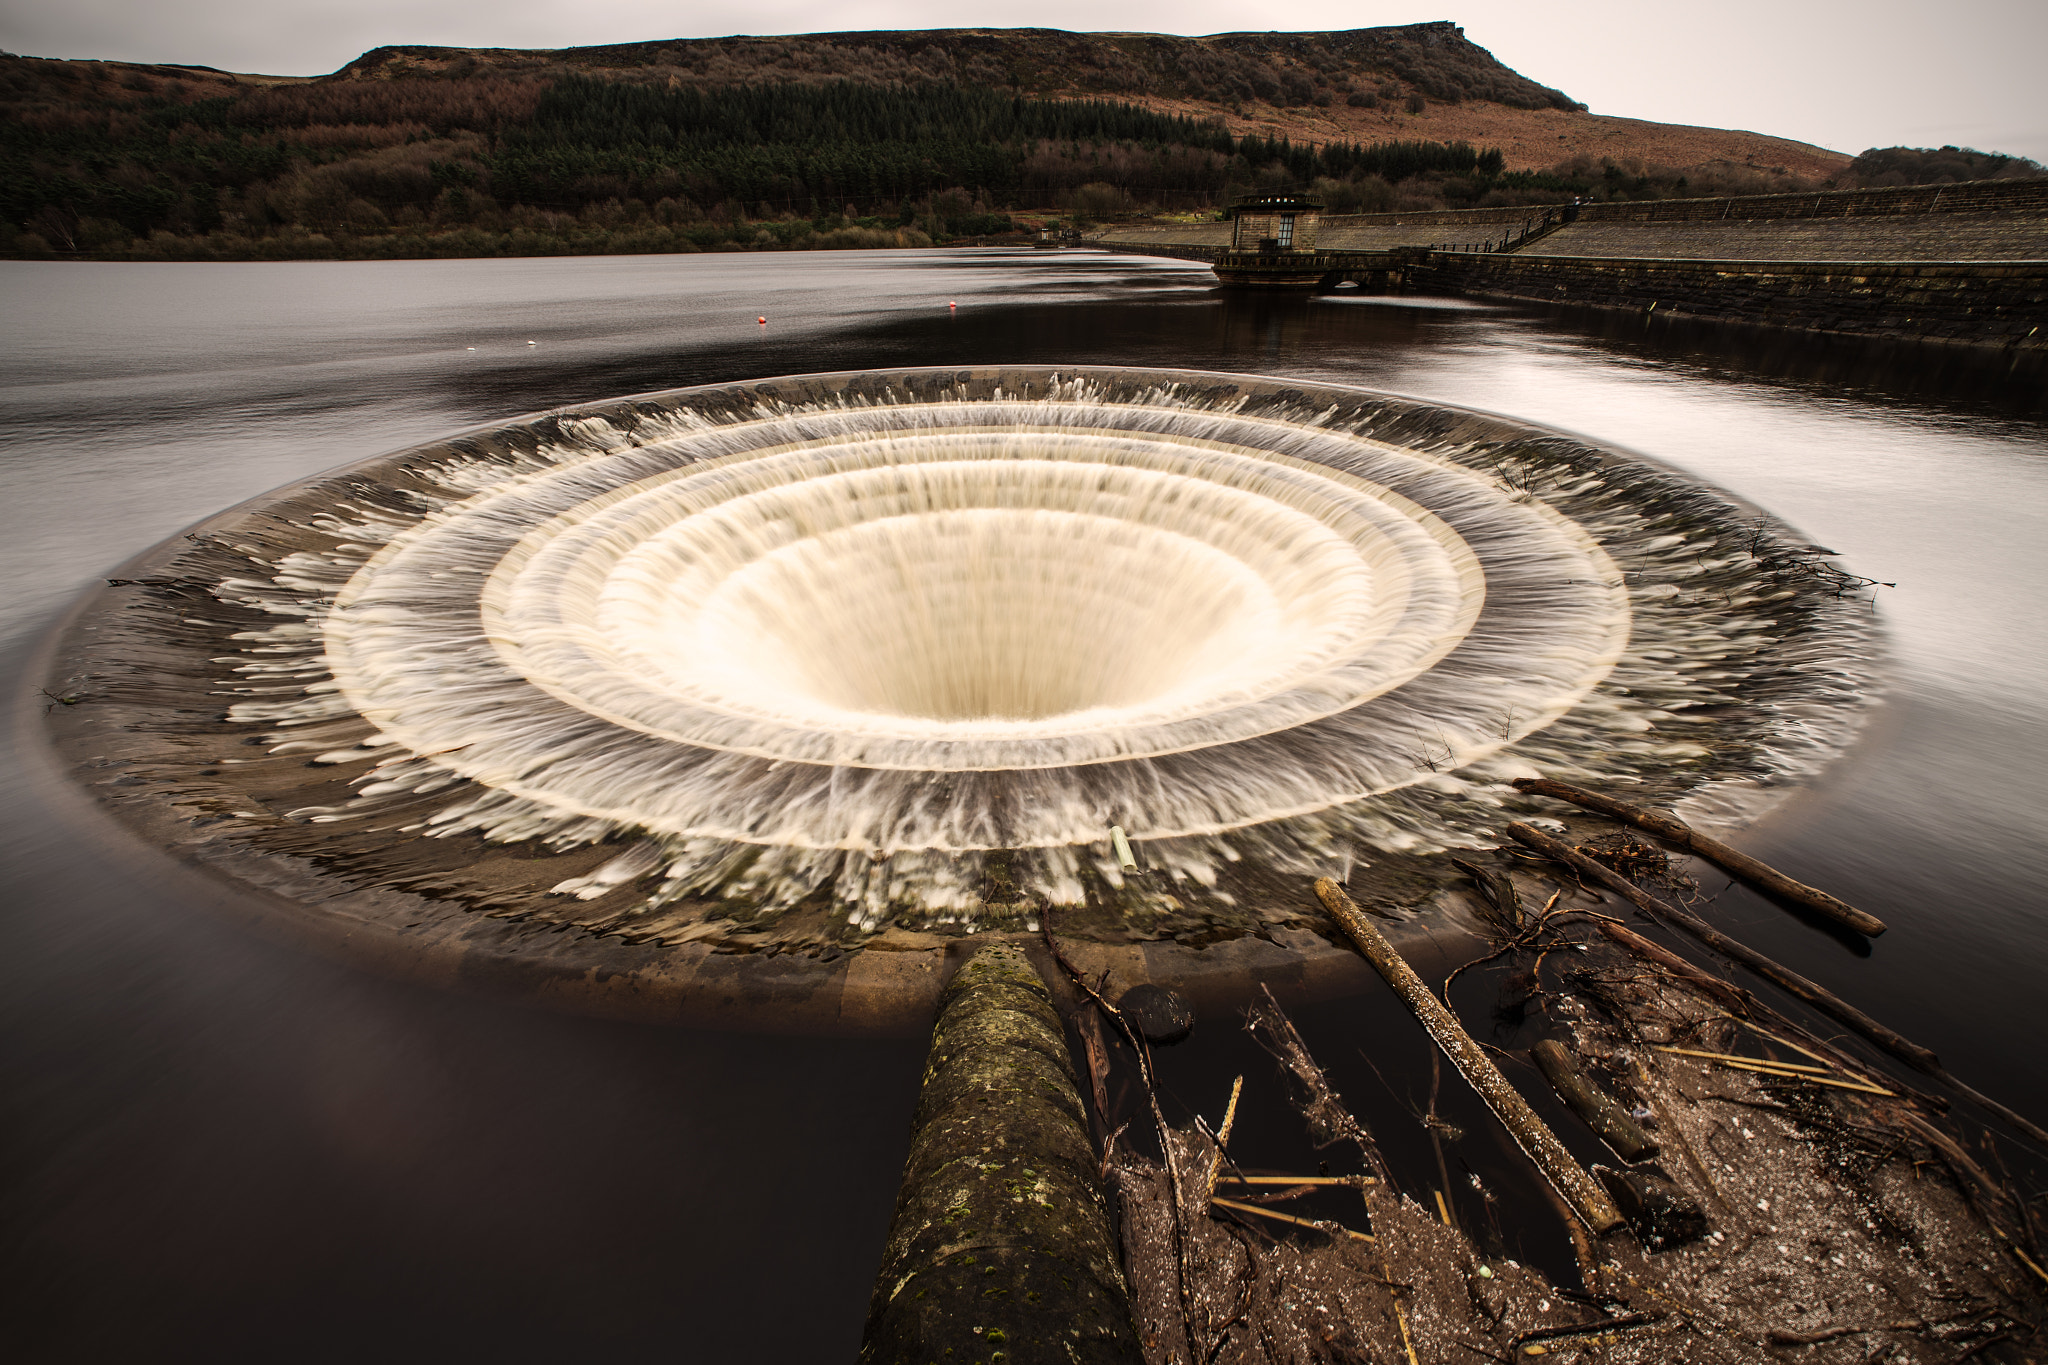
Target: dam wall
[
  {"x": 1174, "y": 250},
  {"x": 2002, "y": 303},
  {"x": 1975, "y": 196},
  {"x": 2015, "y": 236},
  {"x": 1959, "y": 263}
]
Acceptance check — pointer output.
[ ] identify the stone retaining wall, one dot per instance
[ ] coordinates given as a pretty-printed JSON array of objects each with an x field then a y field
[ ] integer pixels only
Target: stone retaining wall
[
  {"x": 1998, "y": 303},
  {"x": 1436, "y": 217},
  {"x": 2014, "y": 236},
  {"x": 1180, "y": 234},
  {"x": 1974, "y": 196},
  {"x": 1176, "y": 251}
]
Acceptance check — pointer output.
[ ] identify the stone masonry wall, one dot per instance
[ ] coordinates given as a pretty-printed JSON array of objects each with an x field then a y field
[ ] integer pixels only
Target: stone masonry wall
[
  {"x": 1998, "y": 303},
  {"x": 1176, "y": 251},
  {"x": 1975, "y": 196},
  {"x": 2012, "y": 236}
]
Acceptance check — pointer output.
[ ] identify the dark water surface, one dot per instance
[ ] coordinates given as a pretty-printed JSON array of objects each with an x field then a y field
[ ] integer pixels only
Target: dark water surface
[{"x": 219, "y": 1147}]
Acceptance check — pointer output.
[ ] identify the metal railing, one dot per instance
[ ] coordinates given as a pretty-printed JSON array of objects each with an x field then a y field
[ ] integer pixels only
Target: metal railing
[{"x": 1530, "y": 228}]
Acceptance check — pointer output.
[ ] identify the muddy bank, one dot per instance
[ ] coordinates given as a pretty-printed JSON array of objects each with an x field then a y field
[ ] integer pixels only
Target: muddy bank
[{"x": 1790, "y": 1198}]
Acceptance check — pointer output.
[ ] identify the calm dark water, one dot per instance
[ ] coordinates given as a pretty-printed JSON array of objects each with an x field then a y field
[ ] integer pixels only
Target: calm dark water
[{"x": 218, "y": 1147}]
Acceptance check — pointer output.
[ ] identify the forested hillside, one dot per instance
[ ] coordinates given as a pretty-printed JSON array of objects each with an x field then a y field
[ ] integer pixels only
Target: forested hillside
[
  {"x": 566, "y": 161},
  {"x": 850, "y": 139}
]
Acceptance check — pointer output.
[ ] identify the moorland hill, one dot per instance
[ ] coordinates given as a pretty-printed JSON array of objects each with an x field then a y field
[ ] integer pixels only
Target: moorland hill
[{"x": 812, "y": 140}]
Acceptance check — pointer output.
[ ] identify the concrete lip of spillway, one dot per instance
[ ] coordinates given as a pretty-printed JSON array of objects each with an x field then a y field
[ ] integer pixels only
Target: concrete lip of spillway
[{"x": 763, "y": 703}]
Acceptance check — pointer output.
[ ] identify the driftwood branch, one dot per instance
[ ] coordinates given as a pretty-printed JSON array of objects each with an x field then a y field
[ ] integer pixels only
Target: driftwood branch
[
  {"x": 1713, "y": 986},
  {"x": 1751, "y": 1013},
  {"x": 1564, "y": 1174},
  {"x": 1675, "y": 831},
  {"x": 1778, "y": 974}
]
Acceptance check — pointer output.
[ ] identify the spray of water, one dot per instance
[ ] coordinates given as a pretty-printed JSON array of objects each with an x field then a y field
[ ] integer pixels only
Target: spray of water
[{"x": 863, "y": 647}]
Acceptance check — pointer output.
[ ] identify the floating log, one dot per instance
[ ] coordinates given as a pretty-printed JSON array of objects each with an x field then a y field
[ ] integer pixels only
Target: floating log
[
  {"x": 1675, "y": 831},
  {"x": 1579, "y": 1190},
  {"x": 1598, "y": 1108},
  {"x": 1001, "y": 1246},
  {"x": 1784, "y": 977}
]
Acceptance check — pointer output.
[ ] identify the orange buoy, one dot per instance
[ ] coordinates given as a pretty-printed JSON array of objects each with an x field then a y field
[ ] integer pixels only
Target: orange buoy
[{"x": 762, "y": 321}]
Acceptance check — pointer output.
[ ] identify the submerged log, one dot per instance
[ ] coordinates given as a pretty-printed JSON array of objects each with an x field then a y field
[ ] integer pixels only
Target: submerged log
[
  {"x": 1600, "y": 1111},
  {"x": 1579, "y": 1190},
  {"x": 1675, "y": 831},
  {"x": 1734, "y": 997},
  {"x": 1906, "y": 1050},
  {"x": 1001, "y": 1247}
]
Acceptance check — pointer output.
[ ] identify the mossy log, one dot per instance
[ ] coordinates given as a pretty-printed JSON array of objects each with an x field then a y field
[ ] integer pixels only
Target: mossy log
[{"x": 1002, "y": 1248}]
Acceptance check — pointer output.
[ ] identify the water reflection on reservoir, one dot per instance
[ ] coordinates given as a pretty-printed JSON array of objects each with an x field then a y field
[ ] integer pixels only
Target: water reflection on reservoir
[{"x": 223, "y": 1147}]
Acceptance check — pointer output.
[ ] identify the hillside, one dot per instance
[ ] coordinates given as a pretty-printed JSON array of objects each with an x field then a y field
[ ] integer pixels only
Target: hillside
[
  {"x": 1359, "y": 85},
  {"x": 1282, "y": 70},
  {"x": 850, "y": 139}
]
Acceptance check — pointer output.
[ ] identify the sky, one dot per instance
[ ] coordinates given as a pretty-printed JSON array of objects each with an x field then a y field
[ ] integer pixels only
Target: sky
[{"x": 1845, "y": 74}]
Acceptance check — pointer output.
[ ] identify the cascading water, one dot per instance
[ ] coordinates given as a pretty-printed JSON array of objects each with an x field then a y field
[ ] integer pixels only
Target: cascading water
[{"x": 812, "y": 659}]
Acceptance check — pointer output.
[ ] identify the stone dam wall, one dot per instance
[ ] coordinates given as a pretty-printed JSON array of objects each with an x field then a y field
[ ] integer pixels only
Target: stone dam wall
[
  {"x": 2001, "y": 303},
  {"x": 1920, "y": 237},
  {"x": 1960, "y": 263},
  {"x": 1976, "y": 196}
]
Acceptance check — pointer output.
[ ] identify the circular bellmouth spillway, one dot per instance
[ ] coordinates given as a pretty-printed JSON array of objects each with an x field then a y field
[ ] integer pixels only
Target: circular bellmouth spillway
[{"x": 745, "y": 684}]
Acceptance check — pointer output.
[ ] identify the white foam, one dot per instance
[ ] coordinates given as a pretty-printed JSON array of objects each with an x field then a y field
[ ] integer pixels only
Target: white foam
[
  {"x": 858, "y": 647},
  {"x": 792, "y": 644}
]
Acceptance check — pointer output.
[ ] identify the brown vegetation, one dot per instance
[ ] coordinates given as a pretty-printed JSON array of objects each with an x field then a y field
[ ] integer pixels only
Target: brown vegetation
[
  {"x": 1284, "y": 70},
  {"x": 407, "y": 149}
]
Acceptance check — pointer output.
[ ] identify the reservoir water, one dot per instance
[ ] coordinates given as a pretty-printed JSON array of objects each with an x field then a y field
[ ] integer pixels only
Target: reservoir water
[{"x": 225, "y": 1147}]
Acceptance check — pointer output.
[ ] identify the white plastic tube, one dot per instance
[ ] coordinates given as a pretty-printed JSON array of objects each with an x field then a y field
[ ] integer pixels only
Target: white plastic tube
[{"x": 1124, "y": 859}]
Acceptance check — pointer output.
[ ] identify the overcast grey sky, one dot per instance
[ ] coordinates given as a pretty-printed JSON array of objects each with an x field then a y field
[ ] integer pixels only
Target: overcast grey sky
[{"x": 1846, "y": 74}]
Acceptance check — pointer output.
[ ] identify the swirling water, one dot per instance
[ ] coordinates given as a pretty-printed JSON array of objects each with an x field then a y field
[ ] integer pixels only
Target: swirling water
[{"x": 219, "y": 1141}]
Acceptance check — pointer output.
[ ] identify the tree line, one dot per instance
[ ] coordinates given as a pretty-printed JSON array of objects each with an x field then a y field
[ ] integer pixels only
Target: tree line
[{"x": 356, "y": 159}]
